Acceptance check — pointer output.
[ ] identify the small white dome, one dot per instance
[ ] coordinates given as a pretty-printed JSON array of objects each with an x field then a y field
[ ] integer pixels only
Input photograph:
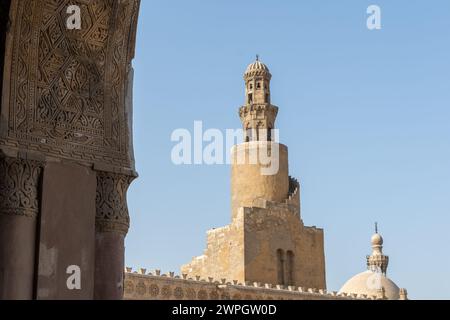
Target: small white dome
[{"x": 369, "y": 283}]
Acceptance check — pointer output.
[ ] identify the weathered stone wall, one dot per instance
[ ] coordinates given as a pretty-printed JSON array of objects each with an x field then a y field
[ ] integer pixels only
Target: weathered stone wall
[
  {"x": 246, "y": 250},
  {"x": 278, "y": 227},
  {"x": 311, "y": 258},
  {"x": 224, "y": 254},
  {"x": 142, "y": 286},
  {"x": 248, "y": 184}
]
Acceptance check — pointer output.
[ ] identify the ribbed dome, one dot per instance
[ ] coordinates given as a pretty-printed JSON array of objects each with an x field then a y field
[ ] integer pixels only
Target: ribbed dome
[
  {"x": 257, "y": 68},
  {"x": 369, "y": 283},
  {"x": 257, "y": 65}
]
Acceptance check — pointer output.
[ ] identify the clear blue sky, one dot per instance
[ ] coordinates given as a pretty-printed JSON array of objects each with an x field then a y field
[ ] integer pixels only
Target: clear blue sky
[{"x": 365, "y": 114}]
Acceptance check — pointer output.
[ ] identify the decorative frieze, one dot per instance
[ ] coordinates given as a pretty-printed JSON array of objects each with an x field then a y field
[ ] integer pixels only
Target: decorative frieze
[{"x": 140, "y": 286}]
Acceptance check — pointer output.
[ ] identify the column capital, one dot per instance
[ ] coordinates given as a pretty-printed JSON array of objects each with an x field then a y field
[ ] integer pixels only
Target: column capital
[
  {"x": 111, "y": 202},
  {"x": 19, "y": 187}
]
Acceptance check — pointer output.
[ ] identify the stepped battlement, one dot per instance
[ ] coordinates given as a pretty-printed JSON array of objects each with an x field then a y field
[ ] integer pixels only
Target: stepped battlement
[{"x": 143, "y": 285}]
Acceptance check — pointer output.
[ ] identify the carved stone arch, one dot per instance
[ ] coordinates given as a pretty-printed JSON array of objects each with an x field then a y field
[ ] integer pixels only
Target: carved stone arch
[{"x": 66, "y": 101}]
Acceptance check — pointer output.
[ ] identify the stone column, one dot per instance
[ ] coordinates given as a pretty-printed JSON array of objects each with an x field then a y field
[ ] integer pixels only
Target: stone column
[
  {"x": 19, "y": 210},
  {"x": 112, "y": 223}
]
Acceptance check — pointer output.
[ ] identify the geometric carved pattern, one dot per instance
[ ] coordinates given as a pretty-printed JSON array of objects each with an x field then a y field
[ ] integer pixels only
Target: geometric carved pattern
[
  {"x": 67, "y": 88},
  {"x": 166, "y": 292},
  {"x": 154, "y": 290},
  {"x": 178, "y": 293},
  {"x": 129, "y": 286},
  {"x": 141, "y": 289},
  {"x": 111, "y": 202},
  {"x": 19, "y": 187}
]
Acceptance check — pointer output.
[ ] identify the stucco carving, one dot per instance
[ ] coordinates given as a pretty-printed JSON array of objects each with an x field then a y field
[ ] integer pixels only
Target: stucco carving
[
  {"x": 66, "y": 93},
  {"x": 19, "y": 187},
  {"x": 111, "y": 202}
]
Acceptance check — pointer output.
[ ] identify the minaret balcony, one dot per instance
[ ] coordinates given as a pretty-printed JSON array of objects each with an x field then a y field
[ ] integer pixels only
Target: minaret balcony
[{"x": 260, "y": 109}]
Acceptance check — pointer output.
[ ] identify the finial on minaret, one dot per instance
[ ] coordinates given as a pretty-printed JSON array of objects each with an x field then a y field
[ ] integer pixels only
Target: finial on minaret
[{"x": 377, "y": 261}]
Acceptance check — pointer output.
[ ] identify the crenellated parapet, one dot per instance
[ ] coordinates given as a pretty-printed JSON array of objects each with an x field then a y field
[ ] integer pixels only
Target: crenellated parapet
[{"x": 143, "y": 285}]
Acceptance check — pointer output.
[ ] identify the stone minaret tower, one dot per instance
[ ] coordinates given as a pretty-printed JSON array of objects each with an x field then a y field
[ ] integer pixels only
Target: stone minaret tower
[
  {"x": 266, "y": 241},
  {"x": 257, "y": 114}
]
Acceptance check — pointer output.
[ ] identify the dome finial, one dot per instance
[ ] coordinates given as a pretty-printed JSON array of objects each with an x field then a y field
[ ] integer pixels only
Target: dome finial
[
  {"x": 377, "y": 261},
  {"x": 374, "y": 281},
  {"x": 257, "y": 57}
]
